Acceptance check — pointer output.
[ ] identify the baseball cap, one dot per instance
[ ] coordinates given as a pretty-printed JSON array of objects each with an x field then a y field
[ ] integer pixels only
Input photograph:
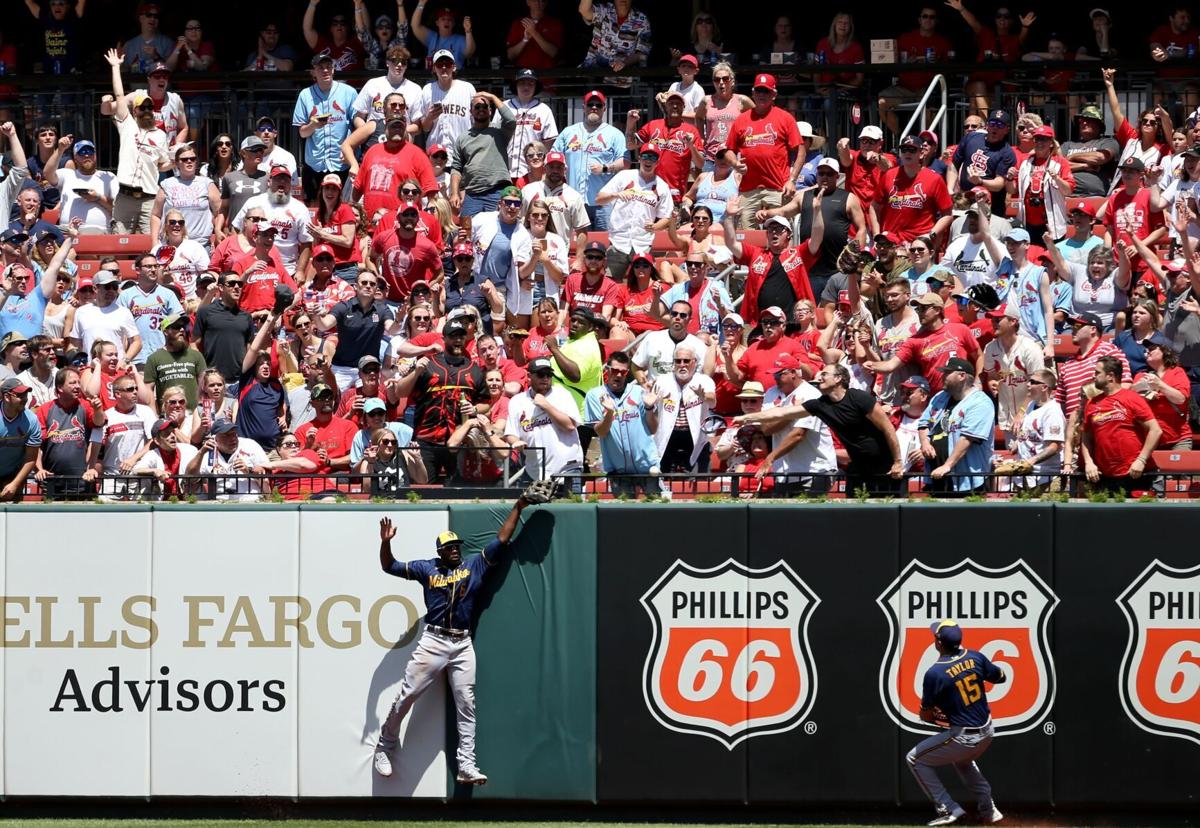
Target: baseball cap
[
  {"x": 407, "y": 207},
  {"x": 159, "y": 68},
  {"x": 1085, "y": 208},
  {"x": 444, "y": 54},
  {"x": 764, "y": 81},
  {"x": 367, "y": 359},
  {"x": 162, "y": 426},
  {"x": 541, "y": 365},
  {"x": 641, "y": 257},
  {"x": 1007, "y": 309},
  {"x": 1000, "y": 116},
  {"x": 321, "y": 390},
  {"x": 84, "y": 282},
  {"x": 464, "y": 248},
  {"x": 434, "y": 149},
  {"x": 595, "y": 247},
  {"x": 447, "y": 539},
  {"x": 948, "y": 632},
  {"x": 373, "y": 404},
  {"x": 957, "y": 364},
  {"x": 1090, "y": 113},
  {"x": 140, "y": 97},
  {"x": 1135, "y": 164},
  {"x": 332, "y": 179},
  {"x": 143, "y": 8},
  {"x": 733, "y": 316},
  {"x": 1194, "y": 149},
  {"x": 585, "y": 314},
  {"x": 279, "y": 169},
  {"x": 886, "y": 237},
  {"x": 843, "y": 298},
  {"x": 511, "y": 191},
  {"x": 454, "y": 327},
  {"x": 595, "y": 93},
  {"x": 555, "y": 157},
  {"x": 751, "y": 390},
  {"x": 916, "y": 382},
  {"x": 421, "y": 285},
  {"x": 1044, "y": 131},
  {"x": 1088, "y": 318},
  {"x": 80, "y": 146},
  {"x": 806, "y": 130},
  {"x": 224, "y": 426},
  {"x": 675, "y": 93},
  {"x": 830, "y": 163},
  {"x": 322, "y": 56},
  {"x": 14, "y": 236},
  {"x": 12, "y": 338},
  {"x": 690, "y": 59},
  {"x": 104, "y": 277},
  {"x": 322, "y": 249},
  {"x": 929, "y": 135},
  {"x": 530, "y": 75},
  {"x": 1099, "y": 11},
  {"x": 773, "y": 312},
  {"x": 910, "y": 142},
  {"x": 648, "y": 149},
  {"x": 786, "y": 362},
  {"x": 12, "y": 385},
  {"x": 929, "y": 298},
  {"x": 871, "y": 132},
  {"x": 172, "y": 320},
  {"x": 780, "y": 220},
  {"x": 1018, "y": 234},
  {"x": 253, "y": 142}
]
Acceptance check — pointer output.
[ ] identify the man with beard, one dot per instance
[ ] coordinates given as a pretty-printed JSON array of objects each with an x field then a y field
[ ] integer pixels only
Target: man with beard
[
  {"x": 678, "y": 143},
  {"x": 87, "y": 191},
  {"x": 142, "y": 155},
  {"x": 970, "y": 429},
  {"x": 287, "y": 215},
  {"x": 327, "y": 434},
  {"x": 404, "y": 256},
  {"x": 66, "y": 422},
  {"x": 682, "y": 401},
  {"x": 620, "y": 415},
  {"x": 595, "y": 152},
  {"x": 445, "y": 387},
  {"x": 840, "y": 212},
  {"x": 443, "y": 111},
  {"x": 591, "y": 289},
  {"x": 891, "y": 331},
  {"x": 391, "y": 161},
  {"x": 1092, "y": 157},
  {"x": 175, "y": 363},
  {"x": 568, "y": 213},
  {"x": 479, "y": 170},
  {"x": 933, "y": 345},
  {"x": 535, "y": 121}
]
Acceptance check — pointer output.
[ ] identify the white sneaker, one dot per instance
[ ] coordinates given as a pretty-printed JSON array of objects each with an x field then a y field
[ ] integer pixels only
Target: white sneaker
[
  {"x": 996, "y": 815},
  {"x": 383, "y": 765},
  {"x": 945, "y": 817},
  {"x": 471, "y": 776}
]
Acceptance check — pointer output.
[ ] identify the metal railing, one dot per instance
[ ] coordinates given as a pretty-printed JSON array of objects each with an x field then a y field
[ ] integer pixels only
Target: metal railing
[{"x": 939, "y": 118}]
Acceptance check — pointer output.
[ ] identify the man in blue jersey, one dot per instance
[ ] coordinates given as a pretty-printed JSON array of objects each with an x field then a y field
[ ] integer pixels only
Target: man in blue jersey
[
  {"x": 450, "y": 586},
  {"x": 954, "y": 698}
]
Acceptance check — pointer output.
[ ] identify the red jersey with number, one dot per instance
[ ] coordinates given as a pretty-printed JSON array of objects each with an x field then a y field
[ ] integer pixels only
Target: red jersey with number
[
  {"x": 928, "y": 351},
  {"x": 912, "y": 204},
  {"x": 674, "y": 152},
  {"x": 577, "y": 293},
  {"x": 259, "y": 291},
  {"x": 765, "y": 143},
  {"x": 1113, "y": 420}
]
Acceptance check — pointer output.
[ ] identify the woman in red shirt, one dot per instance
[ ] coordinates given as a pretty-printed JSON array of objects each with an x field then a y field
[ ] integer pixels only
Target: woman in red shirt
[
  {"x": 547, "y": 326},
  {"x": 638, "y": 302},
  {"x": 999, "y": 45},
  {"x": 839, "y": 49},
  {"x": 733, "y": 345},
  {"x": 1166, "y": 388},
  {"x": 336, "y": 225}
]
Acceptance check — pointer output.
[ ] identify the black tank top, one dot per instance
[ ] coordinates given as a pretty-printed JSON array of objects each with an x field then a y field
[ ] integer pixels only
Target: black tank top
[{"x": 837, "y": 229}]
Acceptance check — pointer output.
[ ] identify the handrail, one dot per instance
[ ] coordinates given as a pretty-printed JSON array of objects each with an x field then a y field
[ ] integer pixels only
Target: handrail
[{"x": 919, "y": 112}]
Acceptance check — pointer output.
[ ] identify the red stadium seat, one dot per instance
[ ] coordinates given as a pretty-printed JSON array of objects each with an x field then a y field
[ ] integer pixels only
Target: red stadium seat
[
  {"x": 88, "y": 267},
  {"x": 1179, "y": 462},
  {"x": 112, "y": 245},
  {"x": 1064, "y": 348},
  {"x": 758, "y": 238},
  {"x": 51, "y": 216}
]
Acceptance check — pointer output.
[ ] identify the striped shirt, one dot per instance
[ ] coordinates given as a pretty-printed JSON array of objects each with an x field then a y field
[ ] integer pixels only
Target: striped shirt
[{"x": 1078, "y": 372}]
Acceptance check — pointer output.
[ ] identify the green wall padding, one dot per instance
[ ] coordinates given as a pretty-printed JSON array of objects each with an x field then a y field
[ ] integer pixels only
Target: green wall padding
[{"x": 536, "y": 649}]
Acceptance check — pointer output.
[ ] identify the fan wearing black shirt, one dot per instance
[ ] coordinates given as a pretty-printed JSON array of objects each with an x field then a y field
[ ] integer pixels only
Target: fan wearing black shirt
[{"x": 859, "y": 423}]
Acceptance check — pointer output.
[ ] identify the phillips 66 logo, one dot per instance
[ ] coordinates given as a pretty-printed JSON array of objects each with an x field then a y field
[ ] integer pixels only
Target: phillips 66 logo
[
  {"x": 730, "y": 656},
  {"x": 1160, "y": 673},
  {"x": 1004, "y": 614}
]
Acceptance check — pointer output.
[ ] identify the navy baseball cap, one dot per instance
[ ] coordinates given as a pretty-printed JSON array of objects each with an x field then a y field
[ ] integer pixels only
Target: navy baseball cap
[
  {"x": 595, "y": 247},
  {"x": 223, "y": 426},
  {"x": 948, "y": 632}
]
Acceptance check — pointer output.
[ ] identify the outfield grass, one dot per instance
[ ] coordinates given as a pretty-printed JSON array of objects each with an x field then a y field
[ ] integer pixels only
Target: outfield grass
[{"x": 345, "y": 823}]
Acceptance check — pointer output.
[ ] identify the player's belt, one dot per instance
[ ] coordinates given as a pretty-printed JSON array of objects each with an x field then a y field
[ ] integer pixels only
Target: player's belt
[
  {"x": 979, "y": 729},
  {"x": 434, "y": 628}
]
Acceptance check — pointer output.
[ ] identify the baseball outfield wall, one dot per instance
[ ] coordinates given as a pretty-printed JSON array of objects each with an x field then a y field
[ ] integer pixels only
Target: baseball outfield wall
[{"x": 689, "y": 652}]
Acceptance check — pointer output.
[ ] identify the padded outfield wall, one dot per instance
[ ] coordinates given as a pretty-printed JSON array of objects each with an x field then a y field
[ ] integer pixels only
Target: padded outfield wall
[{"x": 740, "y": 653}]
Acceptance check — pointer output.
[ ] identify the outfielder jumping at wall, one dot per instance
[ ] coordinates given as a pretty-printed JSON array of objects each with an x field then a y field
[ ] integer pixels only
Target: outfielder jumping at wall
[{"x": 450, "y": 586}]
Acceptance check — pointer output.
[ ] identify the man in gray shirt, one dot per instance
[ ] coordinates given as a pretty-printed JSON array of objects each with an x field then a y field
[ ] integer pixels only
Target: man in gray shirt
[
  {"x": 248, "y": 180},
  {"x": 1092, "y": 156},
  {"x": 480, "y": 169}
]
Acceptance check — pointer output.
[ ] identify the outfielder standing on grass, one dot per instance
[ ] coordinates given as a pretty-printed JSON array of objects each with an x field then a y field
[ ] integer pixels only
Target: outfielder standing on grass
[
  {"x": 953, "y": 697},
  {"x": 450, "y": 585}
]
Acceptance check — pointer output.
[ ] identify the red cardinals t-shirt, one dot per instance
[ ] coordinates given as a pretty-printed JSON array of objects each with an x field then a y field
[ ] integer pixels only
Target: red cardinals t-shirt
[
  {"x": 639, "y": 307},
  {"x": 764, "y": 143},
  {"x": 427, "y": 226},
  {"x": 863, "y": 178},
  {"x": 757, "y": 363},
  {"x": 1129, "y": 216},
  {"x": 261, "y": 278},
  {"x": 911, "y": 205},
  {"x": 405, "y": 261},
  {"x": 576, "y": 293},
  {"x": 382, "y": 170},
  {"x": 674, "y": 152},
  {"x": 930, "y": 350},
  {"x": 1116, "y": 437},
  {"x": 335, "y": 437}
]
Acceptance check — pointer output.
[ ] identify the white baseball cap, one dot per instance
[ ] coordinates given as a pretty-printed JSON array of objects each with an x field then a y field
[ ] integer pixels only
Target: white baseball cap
[
  {"x": 871, "y": 131},
  {"x": 444, "y": 53},
  {"x": 831, "y": 163}
]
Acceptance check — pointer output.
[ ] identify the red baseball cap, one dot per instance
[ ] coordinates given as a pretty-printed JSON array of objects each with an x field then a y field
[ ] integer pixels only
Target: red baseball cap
[
  {"x": 555, "y": 157},
  {"x": 322, "y": 249},
  {"x": 1044, "y": 131},
  {"x": 1085, "y": 208},
  {"x": 786, "y": 362},
  {"x": 464, "y": 248},
  {"x": 434, "y": 149},
  {"x": 690, "y": 59},
  {"x": 595, "y": 93},
  {"x": 764, "y": 81},
  {"x": 84, "y": 282},
  {"x": 280, "y": 169}
]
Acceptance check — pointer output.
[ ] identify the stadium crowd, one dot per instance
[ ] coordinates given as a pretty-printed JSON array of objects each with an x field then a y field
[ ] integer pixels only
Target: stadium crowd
[{"x": 448, "y": 288}]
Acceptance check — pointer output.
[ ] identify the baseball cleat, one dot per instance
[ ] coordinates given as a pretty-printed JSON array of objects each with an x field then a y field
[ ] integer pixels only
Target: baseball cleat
[
  {"x": 471, "y": 776},
  {"x": 996, "y": 815},
  {"x": 947, "y": 817},
  {"x": 383, "y": 765}
]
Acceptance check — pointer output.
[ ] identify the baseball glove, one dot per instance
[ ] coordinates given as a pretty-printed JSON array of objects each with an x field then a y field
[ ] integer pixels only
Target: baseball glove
[
  {"x": 940, "y": 718},
  {"x": 1014, "y": 467},
  {"x": 540, "y": 491}
]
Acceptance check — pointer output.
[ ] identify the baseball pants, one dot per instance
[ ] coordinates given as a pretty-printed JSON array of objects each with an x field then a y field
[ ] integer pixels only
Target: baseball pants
[
  {"x": 436, "y": 652},
  {"x": 959, "y": 747}
]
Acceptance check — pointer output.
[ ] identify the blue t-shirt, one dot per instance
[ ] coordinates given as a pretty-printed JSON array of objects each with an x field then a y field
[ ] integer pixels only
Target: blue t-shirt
[
  {"x": 974, "y": 418},
  {"x": 1026, "y": 290},
  {"x": 404, "y": 436},
  {"x": 994, "y": 158},
  {"x": 453, "y": 43},
  {"x": 629, "y": 447},
  {"x": 259, "y": 409},
  {"x": 1063, "y": 294},
  {"x": 1077, "y": 251},
  {"x": 25, "y": 314},
  {"x": 149, "y": 310},
  {"x": 323, "y": 149},
  {"x": 606, "y": 145},
  {"x": 450, "y": 593},
  {"x": 15, "y": 436},
  {"x": 955, "y": 684},
  {"x": 497, "y": 259}
]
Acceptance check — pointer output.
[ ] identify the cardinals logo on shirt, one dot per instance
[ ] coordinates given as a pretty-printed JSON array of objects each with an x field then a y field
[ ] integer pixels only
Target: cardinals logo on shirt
[
  {"x": 729, "y": 658},
  {"x": 1160, "y": 673},
  {"x": 1004, "y": 614},
  {"x": 914, "y": 199},
  {"x": 767, "y": 138}
]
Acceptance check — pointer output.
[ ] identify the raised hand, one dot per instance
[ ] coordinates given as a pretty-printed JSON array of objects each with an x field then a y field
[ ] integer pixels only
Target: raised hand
[
  {"x": 114, "y": 57},
  {"x": 387, "y": 531}
]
